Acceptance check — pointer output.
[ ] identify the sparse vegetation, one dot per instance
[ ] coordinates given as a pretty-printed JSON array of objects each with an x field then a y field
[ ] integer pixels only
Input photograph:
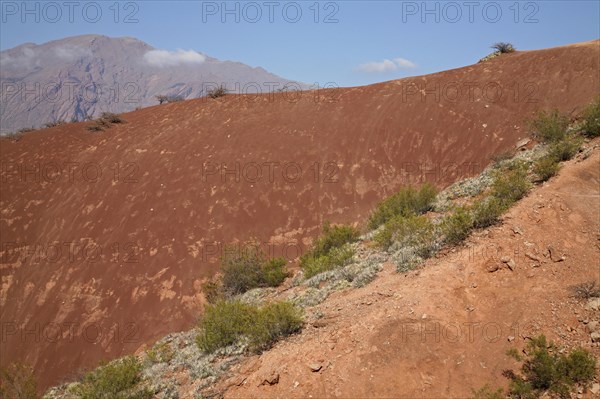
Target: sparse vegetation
[
  {"x": 486, "y": 212},
  {"x": 112, "y": 118},
  {"x": 586, "y": 290},
  {"x": 414, "y": 231},
  {"x": 229, "y": 322},
  {"x": 549, "y": 126},
  {"x": 590, "y": 125},
  {"x": 18, "y": 382},
  {"x": 246, "y": 266},
  {"x": 546, "y": 369},
  {"x": 458, "y": 225},
  {"x": 105, "y": 121},
  {"x": 95, "y": 128},
  {"x": 119, "y": 380},
  {"x": 565, "y": 149},
  {"x": 217, "y": 92},
  {"x": 503, "y": 47},
  {"x": 405, "y": 202},
  {"x": 213, "y": 291},
  {"x": 546, "y": 167},
  {"x": 486, "y": 392},
  {"x": 160, "y": 353},
  {"x": 168, "y": 99},
  {"x": 511, "y": 184},
  {"x": 503, "y": 156},
  {"x": 329, "y": 249},
  {"x": 54, "y": 124}
]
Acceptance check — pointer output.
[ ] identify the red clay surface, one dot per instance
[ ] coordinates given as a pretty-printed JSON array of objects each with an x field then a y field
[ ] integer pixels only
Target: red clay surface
[{"x": 107, "y": 263}]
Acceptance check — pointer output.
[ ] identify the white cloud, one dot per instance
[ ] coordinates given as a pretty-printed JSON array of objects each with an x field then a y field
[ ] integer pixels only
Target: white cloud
[
  {"x": 386, "y": 65},
  {"x": 163, "y": 58},
  {"x": 27, "y": 60},
  {"x": 72, "y": 53}
]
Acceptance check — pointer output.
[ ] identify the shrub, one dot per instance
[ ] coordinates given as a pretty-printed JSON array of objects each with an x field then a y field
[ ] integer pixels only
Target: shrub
[
  {"x": 590, "y": 126},
  {"x": 227, "y": 322},
  {"x": 549, "y": 126},
  {"x": 111, "y": 118},
  {"x": 586, "y": 290},
  {"x": 486, "y": 212},
  {"x": 544, "y": 369},
  {"x": 336, "y": 257},
  {"x": 565, "y": 149},
  {"x": 414, "y": 231},
  {"x": 54, "y": 124},
  {"x": 95, "y": 128},
  {"x": 119, "y": 380},
  {"x": 458, "y": 225},
  {"x": 213, "y": 291},
  {"x": 18, "y": 382},
  {"x": 168, "y": 99},
  {"x": 405, "y": 202},
  {"x": 217, "y": 92},
  {"x": 333, "y": 237},
  {"x": 161, "y": 353},
  {"x": 246, "y": 266},
  {"x": 511, "y": 184},
  {"x": 503, "y": 47},
  {"x": 546, "y": 167}
]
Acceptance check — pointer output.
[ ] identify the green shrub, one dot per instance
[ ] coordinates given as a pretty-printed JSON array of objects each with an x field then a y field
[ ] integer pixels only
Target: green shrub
[
  {"x": 333, "y": 237},
  {"x": 545, "y": 369},
  {"x": 546, "y": 167},
  {"x": 486, "y": 212},
  {"x": 565, "y": 149},
  {"x": 549, "y": 126},
  {"x": 511, "y": 184},
  {"x": 213, "y": 291},
  {"x": 503, "y": 47},
  {"x": 415, "y": 231},
  {"x": 18, "y": 382},
  {"x": 227, "y": 322},
  {"x": 119, "y": 380},
  {"x": 246, "y": 266},
  {"x": 336, "y": 257},
  {"x": 160, "y": 353},
  {"x": 590, "y": 125},
  {"x": 486, "y": 392},
  {"x": 458, "y": 225},
  {"x": 405, "y": 202}
]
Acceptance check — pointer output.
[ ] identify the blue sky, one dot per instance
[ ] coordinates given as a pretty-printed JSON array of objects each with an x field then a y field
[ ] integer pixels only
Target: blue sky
[{"x": 346, "y": 42}]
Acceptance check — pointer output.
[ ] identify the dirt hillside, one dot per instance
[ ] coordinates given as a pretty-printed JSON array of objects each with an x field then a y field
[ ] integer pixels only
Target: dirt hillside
[{"x": 106, "y": 237}]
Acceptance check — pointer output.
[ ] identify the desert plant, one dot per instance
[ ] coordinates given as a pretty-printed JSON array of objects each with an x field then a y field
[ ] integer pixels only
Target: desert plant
[
  {"x": 119, "y": 380},
  {"x": 95, "y": 128},
  {"x": 503, "y": 47},
  {"x": 546, "y": 369},
  {"x": 546, "y": 167},
  {"x": 510, "y": 184},
  {"x": 486, "y": 392},
  {"x": 336, "y": 257},
  {"x": 565, "y": 149},
  {"x": 111, "y": 118},
  {"x": 333, "y": 236},
  {"x": 18, "y": 382},
  {"x": 54, "y": 124},
  {"x": 246, "y": 266},
  {"x": 217, "y": 92},
  {"x": 503, "y": 156},
  {"x": 458, "y": 225},
  {"x": 229, "y": 322},
  {"x": 160, "y": 353},
  {"x": 549, "y": 126},
  {"x": 590, "y": 125},
  {"x": 486, "y": 212},
  {"x": 414, "y": 231},
  {"x": 586, "y": 290},
  {"x": 213, "y": 291},
  {"x": 405, "y": 202}
]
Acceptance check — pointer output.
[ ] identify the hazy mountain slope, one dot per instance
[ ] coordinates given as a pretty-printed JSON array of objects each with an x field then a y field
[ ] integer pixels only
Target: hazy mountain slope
[
  {"x": 162, "y": 193},
  {"x": 85, "y": 75}
]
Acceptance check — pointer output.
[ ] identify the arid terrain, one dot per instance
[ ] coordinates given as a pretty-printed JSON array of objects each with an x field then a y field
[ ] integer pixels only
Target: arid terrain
[{"x": 107, "y": 236}]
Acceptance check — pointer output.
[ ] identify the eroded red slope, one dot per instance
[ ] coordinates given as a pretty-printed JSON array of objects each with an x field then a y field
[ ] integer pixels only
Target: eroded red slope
[{"x": 108, "y": 262}]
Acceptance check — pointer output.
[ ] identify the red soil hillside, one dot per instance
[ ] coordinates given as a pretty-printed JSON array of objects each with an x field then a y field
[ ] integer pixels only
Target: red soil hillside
[{"x": 93, "y": 266}]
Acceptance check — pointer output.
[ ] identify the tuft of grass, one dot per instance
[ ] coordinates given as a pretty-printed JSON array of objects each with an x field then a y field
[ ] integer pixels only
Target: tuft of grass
[
  {"x": 95, "y": 128},
  {"x": 336, "y": 257},
  {"x": 546, "y": 167},
  {"x": 229, "y": 322},
  {"x": 549, "y": 126},
  {"x": 458, "y": 225},
  {"x": 18, "y": 382},
  {"x": 54, "y": 124},
  {"x": 112, "y": 118},
  {"x": 246, "y": 266},
  {"x": 590, "y": 126},
  {"x": 503, "y": 47},
  {"x": 330, "y": 249},
  {"x": 160, "y": 353},
  {"x": 486, "y": 212},
  {"x": 405, "y": 202},
  {"x": 486, "y": 392},
  {"x": 119, "y": 380}
]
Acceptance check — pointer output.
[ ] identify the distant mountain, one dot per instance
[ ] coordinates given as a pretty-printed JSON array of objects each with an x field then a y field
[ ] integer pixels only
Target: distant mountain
[{"x": 83, "y": 76}]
